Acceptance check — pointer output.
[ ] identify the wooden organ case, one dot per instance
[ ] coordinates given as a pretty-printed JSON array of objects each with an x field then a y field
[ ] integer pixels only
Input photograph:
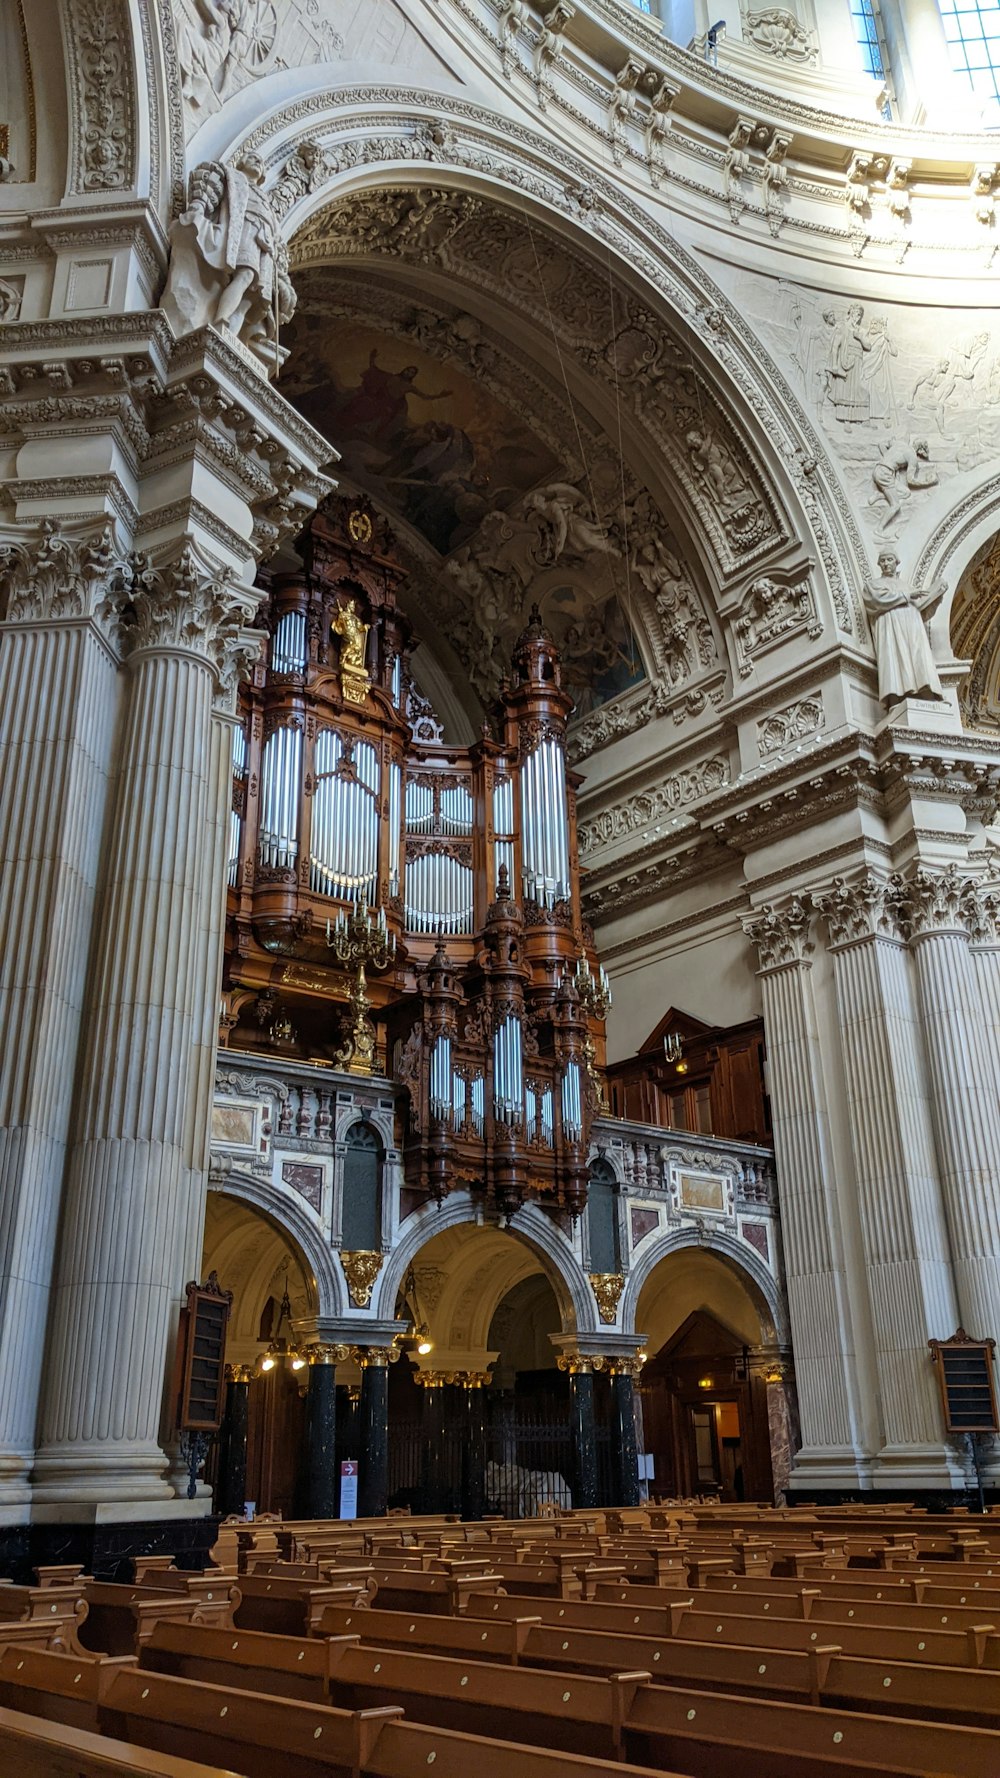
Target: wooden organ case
[{"x": 403, "y": 906}]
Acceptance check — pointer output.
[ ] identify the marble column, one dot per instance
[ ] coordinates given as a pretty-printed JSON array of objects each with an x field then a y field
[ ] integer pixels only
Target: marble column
[
  {"x": 625, "y": 1453},
  {"x": 58, "y": 707},
  {"x": 321, "y": 1431},
  {"x": 907, "y": 1261},
  {"x": 432, "y": 1438},
  {"x": 474, "y": 1446},
  {"x": 128, "y": 1209},
  {"x": 825, "y": 1299},
  {"x": 963, "y": 1075},
  {"x": 373, "y": 1433},
  {"x": 582, "y": 1430},
  {"x": 232, "y": 1483}
]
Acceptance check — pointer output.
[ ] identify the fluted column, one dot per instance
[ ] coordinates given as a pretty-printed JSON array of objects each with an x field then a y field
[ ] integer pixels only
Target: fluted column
[
  {"x": 838, "y": 1422},
  {"x": 131, "y": 1180},
  {"x": 58, "y": 704},
  {"x": 899, "y": 1197},
  {"x": 941, "y": 910}
]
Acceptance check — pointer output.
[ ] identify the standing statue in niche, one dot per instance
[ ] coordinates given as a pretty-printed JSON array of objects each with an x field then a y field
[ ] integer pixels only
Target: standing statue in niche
[
  {"x": 228, "y": 263},
  {"x": 354, "y": 639},
  {"x": 897, "y": 614}
]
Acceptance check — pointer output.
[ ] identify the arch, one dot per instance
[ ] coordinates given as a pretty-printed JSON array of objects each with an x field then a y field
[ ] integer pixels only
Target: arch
[
  {"x": 748, "y": 1266},
  {"x": 529, "y": 1224},
  {"x": 475, "y": 152},
  {"x": 296, "y": 1226}
]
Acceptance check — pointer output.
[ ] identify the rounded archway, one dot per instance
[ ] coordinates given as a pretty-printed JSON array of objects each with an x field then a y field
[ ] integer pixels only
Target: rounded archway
[
  {"x": 274, "y": 1300},
  {"x": 718, "y": 1413}
]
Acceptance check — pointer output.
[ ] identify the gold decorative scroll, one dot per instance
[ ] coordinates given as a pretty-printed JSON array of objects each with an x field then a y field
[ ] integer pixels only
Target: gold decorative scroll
[
  {"x": 361, "y": 1271},
  {"x": 607, "y": 1288}
]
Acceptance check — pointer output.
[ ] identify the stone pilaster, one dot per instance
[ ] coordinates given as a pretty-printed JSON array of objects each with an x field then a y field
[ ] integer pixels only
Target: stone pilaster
[
  {"x": 943, "y": 910},
  {"x": 836, "y": 1419},
  {"x": 58, "y": 704},
  {"x": 129, "y": 1211},
  {"x": 900, "y": 1208}
]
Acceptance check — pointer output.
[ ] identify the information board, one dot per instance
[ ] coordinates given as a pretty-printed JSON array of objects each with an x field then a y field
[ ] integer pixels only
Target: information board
[
  {"x": 202, "y": 1353},
  {"x": 965, "y": 1371}
]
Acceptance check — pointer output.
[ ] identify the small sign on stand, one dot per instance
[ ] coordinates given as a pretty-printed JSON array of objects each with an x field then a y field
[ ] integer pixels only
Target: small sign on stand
[
  {"x": 348, "y": 1490},
  {"x": 968, "y": 1394}
]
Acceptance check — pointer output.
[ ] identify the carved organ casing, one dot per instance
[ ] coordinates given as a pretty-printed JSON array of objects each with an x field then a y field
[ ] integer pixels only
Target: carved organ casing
[{"x": 401, "y": 903}]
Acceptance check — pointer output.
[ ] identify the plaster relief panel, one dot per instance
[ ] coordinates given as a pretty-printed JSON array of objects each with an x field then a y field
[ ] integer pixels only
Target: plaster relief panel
[
  {"x": 226, "y": 45},
  {"x": 906, "y": 399}
]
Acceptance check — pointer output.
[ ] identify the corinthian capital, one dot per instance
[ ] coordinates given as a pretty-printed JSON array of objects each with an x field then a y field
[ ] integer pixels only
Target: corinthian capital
[
  {"x": 857, "y": 908},
  {"x": 195, "y": 605},
  {"x": 782, "y": 934},
  {"x": 937, "y": 901},
  {"x": 62, "y": 573}
]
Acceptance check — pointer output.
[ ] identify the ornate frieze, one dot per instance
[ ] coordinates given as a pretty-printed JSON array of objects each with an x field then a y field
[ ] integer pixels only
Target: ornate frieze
[
  {"x": 795, "y": 722},
  {"x": 642, "y": 811}
]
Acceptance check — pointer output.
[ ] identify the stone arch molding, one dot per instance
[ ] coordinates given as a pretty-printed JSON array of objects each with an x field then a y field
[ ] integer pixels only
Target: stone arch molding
[
  {"x": 751, "y": 1270},
  {"x": 365, "y": 140},
  {"x": 331, "y": 1294},
  {"x": 529, "y": 1224}
]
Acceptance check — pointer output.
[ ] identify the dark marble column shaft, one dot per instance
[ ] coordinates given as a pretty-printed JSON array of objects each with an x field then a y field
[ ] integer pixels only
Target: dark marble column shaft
[
  {"x": 583, "y": 1437},
  {"x": 432, "y": 1420},
  {"x": 373, "y": 1437},
  {"x": 623, "y": 1438},
  {"x": 474, "y": 1453},
  {"x": 233, "y": 1446},
  {"x": 321, "y": 1438}
]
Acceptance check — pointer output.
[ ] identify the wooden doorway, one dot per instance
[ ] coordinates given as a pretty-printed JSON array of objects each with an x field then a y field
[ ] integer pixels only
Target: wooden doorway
[{"x": 705, "y": 1415}]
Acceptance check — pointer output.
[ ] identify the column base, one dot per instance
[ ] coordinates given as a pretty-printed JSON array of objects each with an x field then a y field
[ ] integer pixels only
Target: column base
[
  {"x": 78, "y": 1474},
  {"x": 829, "y": 1467},
  {"x": 928, "y": 1468},
  {"x": 104, "y": 1539}
]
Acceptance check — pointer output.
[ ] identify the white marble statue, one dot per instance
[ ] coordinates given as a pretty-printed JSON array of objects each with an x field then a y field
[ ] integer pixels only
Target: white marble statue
[
  {"x": 228, "y": 263},
  {"x": 897, "y": 614}
]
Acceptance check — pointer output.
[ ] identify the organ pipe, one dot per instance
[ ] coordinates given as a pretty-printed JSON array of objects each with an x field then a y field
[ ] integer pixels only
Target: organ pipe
[{"x": 457, "y": 857}]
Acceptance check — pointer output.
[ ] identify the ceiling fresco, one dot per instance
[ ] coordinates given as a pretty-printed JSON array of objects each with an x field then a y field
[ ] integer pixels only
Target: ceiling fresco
[{"x": 426, "y": 347}]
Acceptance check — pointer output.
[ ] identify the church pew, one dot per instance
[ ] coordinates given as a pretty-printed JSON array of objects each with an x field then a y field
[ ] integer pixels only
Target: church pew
[
  {"x": 289, "y": 1606},
  {"x": 250, "y": 1731},
  {"x": 469, "y": 1636},
  {"x": 575, "y": 1713},
  {"x": 36, "y": 1749},
  {"x": 447, "y": 1593},
  {"x": 120, "y": 1618},
  {"x": 59, "y": 1605},
  {"x": 59, "y": 1687},
  {"x": 857, "y": 1639},
  {"x": 713, "y": 1732}
]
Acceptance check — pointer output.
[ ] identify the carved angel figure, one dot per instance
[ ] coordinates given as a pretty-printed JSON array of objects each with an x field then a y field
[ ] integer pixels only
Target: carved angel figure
[
  {"x": 897, "y": 616},
  {"x": 565, "y": 512},
  {"x": 228, "y": 264}
]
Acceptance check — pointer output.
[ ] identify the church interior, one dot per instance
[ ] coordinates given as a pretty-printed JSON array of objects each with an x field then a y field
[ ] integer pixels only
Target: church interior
[{"x": 500, "y": 907}]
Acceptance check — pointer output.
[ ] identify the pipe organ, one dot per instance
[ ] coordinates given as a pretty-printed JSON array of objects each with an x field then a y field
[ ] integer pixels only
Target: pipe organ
[{"x": 380, "y": 876}]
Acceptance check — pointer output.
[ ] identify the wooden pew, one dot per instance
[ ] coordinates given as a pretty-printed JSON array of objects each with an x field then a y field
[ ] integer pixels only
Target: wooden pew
[
  {"x": 572, "y": 1712},
  {"x": 422, "y": 1591},
  {"x": 120, "y": 1618},
  {"x": 58, "y": 1687},
  {"x": 857, "y": 1639},
  {"x": 468, "y": 1636},
  {"x": 36, "y": 1749},
  {"x": 57, "y": 1603},
  {"x": 289, "y": 1606}
]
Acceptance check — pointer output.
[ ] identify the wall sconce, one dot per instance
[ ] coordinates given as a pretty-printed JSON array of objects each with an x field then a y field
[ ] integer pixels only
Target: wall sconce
[{"x": 704, "y": 1382}]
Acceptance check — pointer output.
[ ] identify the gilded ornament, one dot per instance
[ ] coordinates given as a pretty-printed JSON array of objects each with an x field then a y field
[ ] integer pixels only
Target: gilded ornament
[
  {"x": 354, "y": 677},
  {"x": 607, "y": 1288},
  {"x": 361, "y": 1270}
]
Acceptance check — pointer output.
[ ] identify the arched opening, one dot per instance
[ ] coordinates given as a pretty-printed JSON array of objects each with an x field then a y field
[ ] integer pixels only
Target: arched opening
[
  {"x": 274, "y": 1295},
  {"x": 494, "y": 1312},
  {"x": 718, "y": 1417}
]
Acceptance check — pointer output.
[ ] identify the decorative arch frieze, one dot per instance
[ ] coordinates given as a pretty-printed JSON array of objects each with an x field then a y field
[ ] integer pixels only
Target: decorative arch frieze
[
  {"x": 748, "y": 1265},
  {"x": 281, "y": 1209}
]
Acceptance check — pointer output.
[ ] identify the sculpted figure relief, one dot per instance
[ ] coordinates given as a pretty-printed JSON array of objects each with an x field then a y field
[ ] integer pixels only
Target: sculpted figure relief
[
  {"x": 228, "y": 263},
  {"x": 897, "y": 614},
  {"x": 903, "y": 467}
]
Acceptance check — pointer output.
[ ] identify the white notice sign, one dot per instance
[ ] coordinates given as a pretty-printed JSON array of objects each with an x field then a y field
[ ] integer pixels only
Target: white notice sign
[{"x": 348, "y": 1490}]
